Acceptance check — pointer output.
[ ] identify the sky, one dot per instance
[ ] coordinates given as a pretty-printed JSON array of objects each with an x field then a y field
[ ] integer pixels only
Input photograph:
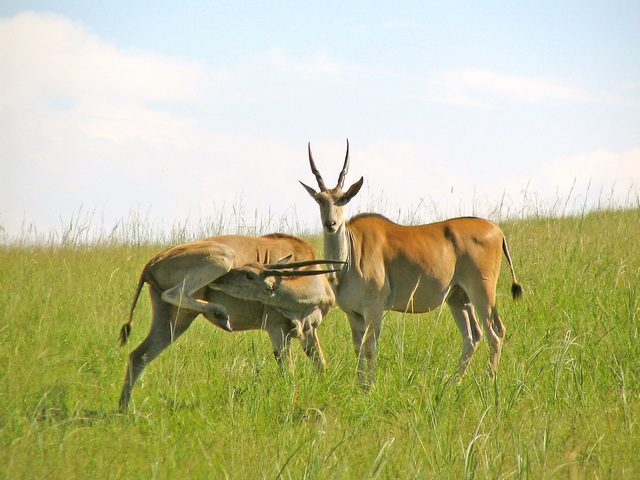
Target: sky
[{"x": 198, "y": 114}]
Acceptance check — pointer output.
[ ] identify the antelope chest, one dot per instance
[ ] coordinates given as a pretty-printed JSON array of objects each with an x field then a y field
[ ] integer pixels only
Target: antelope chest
[{"x": 353, "y": 294}]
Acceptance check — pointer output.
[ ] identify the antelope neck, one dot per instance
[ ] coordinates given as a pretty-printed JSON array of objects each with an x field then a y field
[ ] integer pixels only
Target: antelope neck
[{"x": 338, "y": 246}]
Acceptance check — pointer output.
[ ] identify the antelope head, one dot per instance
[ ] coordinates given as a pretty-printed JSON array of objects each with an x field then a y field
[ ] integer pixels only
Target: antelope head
[
  {"x": 332, "y": 200},
  {"x": 281, "y": 285}
]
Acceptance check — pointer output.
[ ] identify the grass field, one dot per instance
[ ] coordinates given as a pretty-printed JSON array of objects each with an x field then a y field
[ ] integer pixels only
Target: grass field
[{"x": 566, "y": 402}]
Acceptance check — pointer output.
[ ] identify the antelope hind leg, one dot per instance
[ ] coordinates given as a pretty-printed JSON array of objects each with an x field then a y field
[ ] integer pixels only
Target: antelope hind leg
[
  {"x": 463, "y": 314},
  {"x": 182, "y": 294},
  {"x": 167, "y": 324}
]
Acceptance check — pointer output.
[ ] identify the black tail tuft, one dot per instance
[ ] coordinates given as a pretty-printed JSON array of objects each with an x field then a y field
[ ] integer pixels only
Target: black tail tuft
[
  {"x": 124, "y": 333},
  {"x": 516, "y": 290}
]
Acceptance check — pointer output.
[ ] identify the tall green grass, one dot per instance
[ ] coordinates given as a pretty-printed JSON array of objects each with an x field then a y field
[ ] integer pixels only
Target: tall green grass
[{"x": 565, "y": 403}]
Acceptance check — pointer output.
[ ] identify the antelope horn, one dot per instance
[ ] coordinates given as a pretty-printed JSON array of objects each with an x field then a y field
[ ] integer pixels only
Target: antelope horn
[
  {"x": 315, "y": 171},
  {"x": 296, "y": 273},
  {"x": 304, "y": 263},
  {"x": 345, "y": 168}
]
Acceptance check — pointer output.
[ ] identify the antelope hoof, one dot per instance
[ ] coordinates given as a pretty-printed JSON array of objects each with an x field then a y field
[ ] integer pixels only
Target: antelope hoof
[
  {"x": 366, "y": 387},
  {"x": 220, "y": 318},
  {"x": 226, "y": 326}
]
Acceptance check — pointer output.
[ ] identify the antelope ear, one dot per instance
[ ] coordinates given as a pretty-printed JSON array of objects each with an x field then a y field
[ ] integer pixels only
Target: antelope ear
[
  {"x": 349, "y": 194},
  {"x": 285, "y": 259},
  {"x": 310, "y": 190}
]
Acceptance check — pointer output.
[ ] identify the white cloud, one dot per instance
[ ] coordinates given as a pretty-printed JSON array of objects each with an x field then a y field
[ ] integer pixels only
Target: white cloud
[
  {"x": 564, "y": 185},
  {"x": 318, "y": 65},
  {"x": 484, "y": 88},
  {"x": 73, "y": 84},
  {"x": 85, "y": 123},
  {"x": 404, "y": 185},
  {"x": 612, "y": 178},
  {"x": 46, "y": 56},
  {"x": 600, "y": 166}
]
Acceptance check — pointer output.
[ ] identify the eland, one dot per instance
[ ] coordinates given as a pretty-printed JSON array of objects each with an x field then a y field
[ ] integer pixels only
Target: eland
[
  {"x": 179, "y": 278},
  {"x": 411, "y": 269}
]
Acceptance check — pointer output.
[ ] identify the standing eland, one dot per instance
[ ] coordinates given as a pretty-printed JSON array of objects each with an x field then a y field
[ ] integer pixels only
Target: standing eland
[
  {"x": 178, "y": 279},
  {"x": 412, "y": 269}
]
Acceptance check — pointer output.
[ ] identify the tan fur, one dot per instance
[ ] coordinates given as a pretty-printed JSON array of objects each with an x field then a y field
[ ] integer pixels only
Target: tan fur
[
  {"x": 178, "y": 279},
  {"x": 412, "y": 269},
  {"x": 298, "y": 293},
  {"x": 303, "y": 299}
]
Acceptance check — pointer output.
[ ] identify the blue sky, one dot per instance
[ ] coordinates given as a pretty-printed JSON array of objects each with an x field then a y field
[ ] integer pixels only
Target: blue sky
[{"x": 183, "y": 110}]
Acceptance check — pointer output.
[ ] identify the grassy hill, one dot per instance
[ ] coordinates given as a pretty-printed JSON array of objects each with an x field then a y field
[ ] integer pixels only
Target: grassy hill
[{"x": 566, "y": 402}]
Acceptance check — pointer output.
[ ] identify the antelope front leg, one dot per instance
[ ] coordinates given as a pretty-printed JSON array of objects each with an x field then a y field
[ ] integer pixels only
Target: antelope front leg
[
  {"x": 373, "y": 323},
  {"x": 357, "y": 324},
  {"x": 311, "y": 346},
  {"x": 310, "y": 340},
  {"x": 280, "y": 333}
]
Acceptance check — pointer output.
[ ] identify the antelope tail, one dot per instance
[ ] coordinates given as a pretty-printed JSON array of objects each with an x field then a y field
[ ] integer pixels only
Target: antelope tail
[
  {"x": 126, "y": 328},
  {"x": 516, "y": 288}
]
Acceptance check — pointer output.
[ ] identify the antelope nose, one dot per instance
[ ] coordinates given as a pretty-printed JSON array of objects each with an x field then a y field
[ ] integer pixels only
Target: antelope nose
[{"x": 330, "y": 224}]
